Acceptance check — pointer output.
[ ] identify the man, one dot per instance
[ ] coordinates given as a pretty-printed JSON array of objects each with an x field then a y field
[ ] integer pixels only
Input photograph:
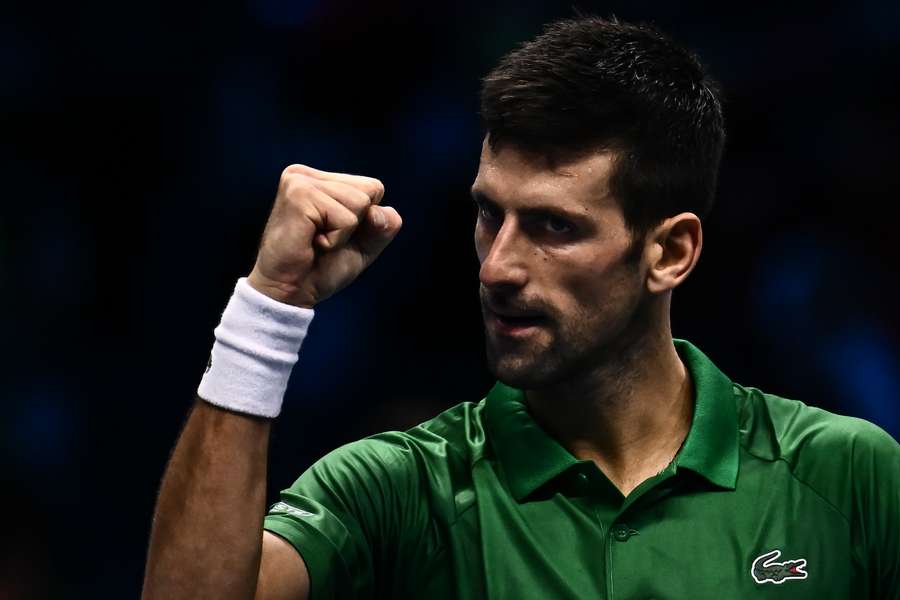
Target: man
[{"x": 609, "y": 461}]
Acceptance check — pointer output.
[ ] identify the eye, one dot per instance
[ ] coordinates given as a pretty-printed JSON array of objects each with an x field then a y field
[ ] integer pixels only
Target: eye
[
  {"x": 557, "y": 225},
  {"x": 486, "y": 211}
]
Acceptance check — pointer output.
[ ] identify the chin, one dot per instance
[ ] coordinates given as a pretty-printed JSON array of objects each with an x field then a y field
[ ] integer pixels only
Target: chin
[{"x": 520, "y": 372}]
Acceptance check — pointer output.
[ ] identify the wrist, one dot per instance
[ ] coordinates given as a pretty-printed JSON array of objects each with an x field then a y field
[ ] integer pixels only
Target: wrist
[
  {"x": 256, "y": 347},
  {"x": 279, "y": 291}
]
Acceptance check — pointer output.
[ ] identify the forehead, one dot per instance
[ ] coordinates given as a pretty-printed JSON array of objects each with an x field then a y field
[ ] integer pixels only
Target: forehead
[{"x": 511, "y": 174}]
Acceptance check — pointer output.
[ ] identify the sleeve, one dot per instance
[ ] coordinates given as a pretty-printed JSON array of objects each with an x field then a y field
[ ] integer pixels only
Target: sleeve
[
  {"x": 876, "y": 481},
  {"x": 348, "y": 513}
]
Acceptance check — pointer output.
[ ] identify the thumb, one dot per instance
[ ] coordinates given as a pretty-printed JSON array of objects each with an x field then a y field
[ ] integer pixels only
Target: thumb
[{"x": 381, "y": 225}]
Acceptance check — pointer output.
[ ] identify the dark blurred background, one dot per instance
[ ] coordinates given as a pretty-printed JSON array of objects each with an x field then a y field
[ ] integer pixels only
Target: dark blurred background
[{"x": 142, "y": 146}]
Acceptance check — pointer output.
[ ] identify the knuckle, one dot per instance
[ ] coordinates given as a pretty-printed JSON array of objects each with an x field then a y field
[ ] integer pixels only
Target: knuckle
[
  {"x": 361, "y": 201},
  {"x": 296, "y": 187},
  {"x": 351, "y": 197},
  {"x": 301, "y": 168},
  {"x": 292, "y": 170},
  {"x": 376, "y": 188}
]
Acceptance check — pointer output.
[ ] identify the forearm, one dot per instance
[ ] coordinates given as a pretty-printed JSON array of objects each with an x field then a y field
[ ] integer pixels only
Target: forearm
[
  {"x": 206, "y": 535},
  {"x": 206, "y": 540}
]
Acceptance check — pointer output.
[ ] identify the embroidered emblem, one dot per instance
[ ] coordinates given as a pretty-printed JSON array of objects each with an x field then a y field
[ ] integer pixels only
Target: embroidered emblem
[
  {"x": 282, "y": 507},
  {"x": 766, "y": 570}
]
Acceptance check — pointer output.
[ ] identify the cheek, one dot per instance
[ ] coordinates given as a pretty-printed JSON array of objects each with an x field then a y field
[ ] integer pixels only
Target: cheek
[{"x": 596, "y": 295}]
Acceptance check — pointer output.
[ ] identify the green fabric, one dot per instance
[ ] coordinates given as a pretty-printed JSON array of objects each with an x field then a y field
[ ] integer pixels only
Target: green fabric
[{"x": 479, "y": 502}]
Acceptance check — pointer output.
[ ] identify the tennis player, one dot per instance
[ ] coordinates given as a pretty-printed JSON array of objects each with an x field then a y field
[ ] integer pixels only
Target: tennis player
[{"x": 609, "y": 460}]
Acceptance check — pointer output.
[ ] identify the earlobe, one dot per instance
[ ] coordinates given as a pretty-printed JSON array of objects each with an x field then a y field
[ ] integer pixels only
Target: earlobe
[{"x": 677, "y": 244}]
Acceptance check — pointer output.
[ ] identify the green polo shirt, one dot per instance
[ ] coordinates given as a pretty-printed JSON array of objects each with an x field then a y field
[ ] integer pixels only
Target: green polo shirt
[{"x": 768, "y": 498}]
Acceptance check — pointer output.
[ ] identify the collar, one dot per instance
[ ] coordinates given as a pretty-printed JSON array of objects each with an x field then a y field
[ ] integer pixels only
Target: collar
[{"x": 530, "y": 458}]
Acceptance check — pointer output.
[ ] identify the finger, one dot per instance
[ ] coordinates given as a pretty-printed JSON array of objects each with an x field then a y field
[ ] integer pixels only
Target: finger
[
  {"x": 371, "y": 238},
  {"x": 371, "y": 186},
  {"x": 334, "y": 222},
  {"x": 353, "y": 198}
]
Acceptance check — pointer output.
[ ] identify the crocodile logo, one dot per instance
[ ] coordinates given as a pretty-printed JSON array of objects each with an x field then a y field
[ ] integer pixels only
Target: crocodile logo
[{"x": 766, "y": 570}]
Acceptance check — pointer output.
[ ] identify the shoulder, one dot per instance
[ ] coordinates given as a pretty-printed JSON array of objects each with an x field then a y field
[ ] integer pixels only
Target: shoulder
[
  {"x": 837, "y": 456},
  {"x": 455, "y": 434},
  {"x": 804, "y": 432}
]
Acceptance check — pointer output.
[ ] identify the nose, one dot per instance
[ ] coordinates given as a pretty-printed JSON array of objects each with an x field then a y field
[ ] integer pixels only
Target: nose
[{"x": 503, "y": 257}]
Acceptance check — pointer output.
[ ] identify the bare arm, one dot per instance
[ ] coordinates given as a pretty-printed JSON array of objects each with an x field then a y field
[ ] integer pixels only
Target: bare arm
[
  {"x": 207, "y": 539},
  {"x": 278, "y": 557}
]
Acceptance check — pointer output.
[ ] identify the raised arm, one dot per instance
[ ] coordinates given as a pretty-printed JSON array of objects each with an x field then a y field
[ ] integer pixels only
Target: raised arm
[{"x": 207, "y": 539}]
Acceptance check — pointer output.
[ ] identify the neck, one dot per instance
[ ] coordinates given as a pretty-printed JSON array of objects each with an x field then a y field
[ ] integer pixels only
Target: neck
[{"x": 629, "y": 414}]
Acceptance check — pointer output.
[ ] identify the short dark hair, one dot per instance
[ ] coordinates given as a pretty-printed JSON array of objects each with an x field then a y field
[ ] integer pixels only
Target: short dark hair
[{"x": 588, "y": 83}]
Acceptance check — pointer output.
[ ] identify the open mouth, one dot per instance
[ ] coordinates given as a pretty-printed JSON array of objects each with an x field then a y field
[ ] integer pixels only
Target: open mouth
[
  {"x": 511, "y": 325},
  {"x": 527, "y": 321}
]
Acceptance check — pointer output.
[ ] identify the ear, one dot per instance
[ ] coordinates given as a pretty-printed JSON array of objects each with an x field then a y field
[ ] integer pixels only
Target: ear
[{"x": 673, "y": 248}]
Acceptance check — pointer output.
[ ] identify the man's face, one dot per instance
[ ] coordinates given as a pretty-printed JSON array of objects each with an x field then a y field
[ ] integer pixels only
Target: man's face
[{"x": 558, "y": 286}]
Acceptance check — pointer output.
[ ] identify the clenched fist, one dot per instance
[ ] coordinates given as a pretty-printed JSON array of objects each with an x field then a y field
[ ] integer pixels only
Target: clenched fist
[{"x": 324, "y": 229}]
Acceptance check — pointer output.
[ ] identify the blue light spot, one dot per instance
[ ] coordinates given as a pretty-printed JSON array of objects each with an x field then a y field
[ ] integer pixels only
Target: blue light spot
[
  {"x": 791, "y": 274},
  {"x": 865, "y": 370},
  {"x": 284, "y": 13},
  {"x": 42, "y": 428}
]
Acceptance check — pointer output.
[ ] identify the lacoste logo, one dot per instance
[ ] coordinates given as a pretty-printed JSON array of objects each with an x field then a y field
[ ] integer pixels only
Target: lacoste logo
[{"x": 766, "y": 570}]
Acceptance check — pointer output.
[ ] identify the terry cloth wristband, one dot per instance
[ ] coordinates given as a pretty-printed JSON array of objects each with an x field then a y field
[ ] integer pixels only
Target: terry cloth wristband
[{"x": 256, "y": 347}]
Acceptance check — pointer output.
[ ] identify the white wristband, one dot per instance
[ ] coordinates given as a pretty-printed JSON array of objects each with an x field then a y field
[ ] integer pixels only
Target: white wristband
[{"x": 256, "y": 347}]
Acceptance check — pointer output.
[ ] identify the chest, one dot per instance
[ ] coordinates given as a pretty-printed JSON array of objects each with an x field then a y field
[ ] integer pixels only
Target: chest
[{"x": 766, "y": 539}]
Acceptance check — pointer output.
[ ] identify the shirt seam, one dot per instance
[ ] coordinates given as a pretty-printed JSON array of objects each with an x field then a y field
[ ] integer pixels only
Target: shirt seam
[
  {"x": 854, "y": 550},
  {"x": 803, "y": 482},
  {"x": 849, "y": 521},
  {"x": 470, "y": 467}
]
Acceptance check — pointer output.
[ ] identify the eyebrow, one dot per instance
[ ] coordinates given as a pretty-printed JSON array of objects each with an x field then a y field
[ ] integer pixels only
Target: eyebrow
[{"x": 540, "y": 210}]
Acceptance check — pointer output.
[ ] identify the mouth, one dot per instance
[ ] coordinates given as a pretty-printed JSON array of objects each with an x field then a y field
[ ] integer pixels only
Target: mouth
[{"x": 514, "y": 325}]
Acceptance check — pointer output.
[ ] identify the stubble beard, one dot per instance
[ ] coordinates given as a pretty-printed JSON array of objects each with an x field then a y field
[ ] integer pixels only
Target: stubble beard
[
  {"x": 554, "y": 355},
  {"x": 524, "y": 364}
]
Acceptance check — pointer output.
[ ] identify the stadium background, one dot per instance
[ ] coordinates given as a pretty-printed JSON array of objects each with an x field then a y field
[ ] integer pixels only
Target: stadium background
[{"x": 143, "y": 144}]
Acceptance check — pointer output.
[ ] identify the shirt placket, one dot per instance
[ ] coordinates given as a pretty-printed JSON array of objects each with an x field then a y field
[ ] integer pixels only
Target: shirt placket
[{"x": 615, "y": 514}]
